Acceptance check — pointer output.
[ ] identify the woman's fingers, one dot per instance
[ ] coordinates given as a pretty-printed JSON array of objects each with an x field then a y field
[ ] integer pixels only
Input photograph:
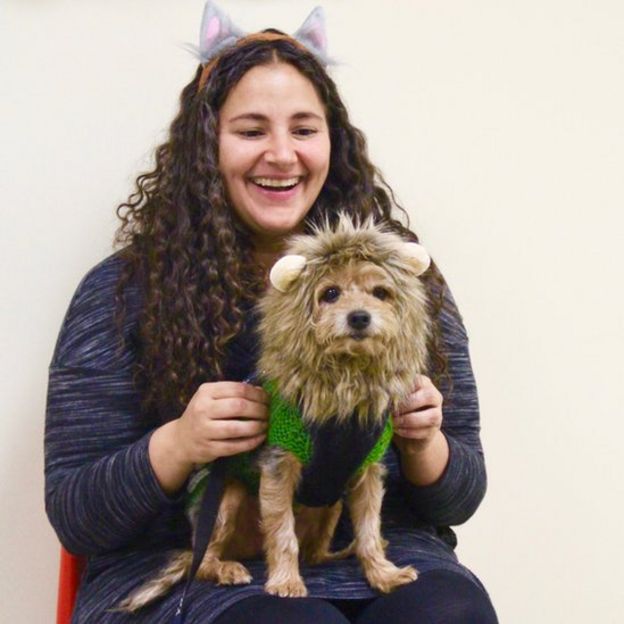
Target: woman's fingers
[
  {"x": 237, "y": 408},
  {"x": 231, "y": 400},
  {"x": 232, "y": 389},
  {"x": 232, "y": 429},
  {"x": 425, "y": 396},
  {"x": 222, "y": 418},
  {"x": 418, "y": 425},
  {"x": 233, "y": 447}
]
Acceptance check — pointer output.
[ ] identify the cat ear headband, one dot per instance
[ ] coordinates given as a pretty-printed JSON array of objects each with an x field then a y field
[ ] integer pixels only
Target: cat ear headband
[{"x": 217, "y": 32}]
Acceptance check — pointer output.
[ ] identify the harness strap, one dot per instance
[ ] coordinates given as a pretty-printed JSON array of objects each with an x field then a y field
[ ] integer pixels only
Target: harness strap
[{"x": 206, "y": 519}]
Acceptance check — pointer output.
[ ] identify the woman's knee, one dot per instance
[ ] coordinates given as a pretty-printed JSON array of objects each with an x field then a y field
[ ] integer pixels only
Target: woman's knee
[
  {"x": 267, "y": 609},
  {"x": 437, "y": 597}
]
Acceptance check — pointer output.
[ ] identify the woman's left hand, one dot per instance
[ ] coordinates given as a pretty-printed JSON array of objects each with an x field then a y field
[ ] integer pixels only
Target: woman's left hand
[{"x": 419, "y": 417}]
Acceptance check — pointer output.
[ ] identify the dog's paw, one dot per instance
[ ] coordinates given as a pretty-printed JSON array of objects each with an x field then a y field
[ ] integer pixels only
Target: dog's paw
[
  {"x": 233, "y": 573},
  {"x": 290, "y": 588},
  {"x": 225, "y": 573},
  {"x": 388, "y": 577}
]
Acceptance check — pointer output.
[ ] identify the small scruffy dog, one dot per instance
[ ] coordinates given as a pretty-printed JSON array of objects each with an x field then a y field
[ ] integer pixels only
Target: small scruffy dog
[{"x": 343, "y": 337}]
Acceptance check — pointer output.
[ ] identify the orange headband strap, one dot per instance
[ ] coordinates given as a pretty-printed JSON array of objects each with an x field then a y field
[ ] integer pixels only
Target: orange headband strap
[{"x": 261, "y": 36}]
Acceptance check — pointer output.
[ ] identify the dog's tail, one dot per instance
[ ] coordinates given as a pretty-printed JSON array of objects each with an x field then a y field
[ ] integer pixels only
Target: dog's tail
[
  {"x": 175, "y": 571},
  {"x": 348, "y": 551},
  {"x": 341, "y": 554}
]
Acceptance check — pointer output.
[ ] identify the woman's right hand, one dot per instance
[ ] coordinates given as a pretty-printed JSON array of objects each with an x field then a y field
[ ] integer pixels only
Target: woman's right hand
[{"x": 223, "y": 418}]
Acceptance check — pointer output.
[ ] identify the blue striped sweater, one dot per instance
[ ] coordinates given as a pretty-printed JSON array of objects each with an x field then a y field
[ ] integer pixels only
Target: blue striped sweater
[{"x": 104, "y": 501}]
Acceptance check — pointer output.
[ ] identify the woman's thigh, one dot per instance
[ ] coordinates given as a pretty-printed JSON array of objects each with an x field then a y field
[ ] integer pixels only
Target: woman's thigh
[
  {"x": 437, "y": 597},
  {"x": 267, "y": 609}
]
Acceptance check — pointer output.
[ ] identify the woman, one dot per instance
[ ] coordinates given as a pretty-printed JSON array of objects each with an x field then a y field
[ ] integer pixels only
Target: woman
[{"x": 146, "y": 378}]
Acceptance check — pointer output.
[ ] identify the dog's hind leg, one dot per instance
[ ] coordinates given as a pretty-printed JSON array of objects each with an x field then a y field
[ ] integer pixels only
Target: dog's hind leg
[
  {"x": 365, "y": 497},
  {"x": 212, "y": 567},
  {"x": 318, "y": 527},
  {"x": 280, "y": 473}
]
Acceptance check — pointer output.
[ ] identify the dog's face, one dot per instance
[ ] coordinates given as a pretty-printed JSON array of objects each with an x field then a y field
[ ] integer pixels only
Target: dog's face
[
  {"x": 355, "y": 309},
  {"x": 345, "y": 319}
]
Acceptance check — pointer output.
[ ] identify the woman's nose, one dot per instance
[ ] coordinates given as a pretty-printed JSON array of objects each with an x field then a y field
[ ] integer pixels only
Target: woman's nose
[{"x": 281, "y": 151}]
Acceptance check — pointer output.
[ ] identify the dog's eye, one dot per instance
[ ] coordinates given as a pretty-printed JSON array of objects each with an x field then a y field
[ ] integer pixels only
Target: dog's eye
[
  {"x": 380, "y": 293},
  {"x": 330, "y": 294}
]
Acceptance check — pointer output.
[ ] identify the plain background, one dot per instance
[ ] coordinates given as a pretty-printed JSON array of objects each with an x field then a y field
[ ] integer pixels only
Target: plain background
[{"x": 499, "y": 125}]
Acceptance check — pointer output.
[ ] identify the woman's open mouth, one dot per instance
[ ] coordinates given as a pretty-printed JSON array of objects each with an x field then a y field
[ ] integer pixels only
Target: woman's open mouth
[{"x": 276, "y": 185}]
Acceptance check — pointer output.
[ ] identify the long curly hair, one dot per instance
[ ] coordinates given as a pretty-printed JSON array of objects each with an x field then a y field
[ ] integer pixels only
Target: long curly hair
[{"x": 189, "y": 252}]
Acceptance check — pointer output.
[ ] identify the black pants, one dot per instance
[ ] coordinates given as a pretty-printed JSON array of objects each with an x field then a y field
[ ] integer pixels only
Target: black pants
[{"x": 437, "y": 597}]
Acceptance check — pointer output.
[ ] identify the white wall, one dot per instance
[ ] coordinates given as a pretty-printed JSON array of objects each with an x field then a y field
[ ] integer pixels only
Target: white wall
[{"x": 499, "y": 125}]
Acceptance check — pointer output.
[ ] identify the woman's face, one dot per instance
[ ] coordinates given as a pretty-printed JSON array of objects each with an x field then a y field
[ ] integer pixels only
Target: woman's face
[{"x": 274, "y": 149}]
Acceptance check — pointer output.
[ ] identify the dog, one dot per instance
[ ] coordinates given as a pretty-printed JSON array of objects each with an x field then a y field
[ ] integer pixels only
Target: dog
[{"x": 343, "y": 336}]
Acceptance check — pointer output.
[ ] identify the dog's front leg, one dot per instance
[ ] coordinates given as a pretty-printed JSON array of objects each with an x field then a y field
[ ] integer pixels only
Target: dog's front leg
[
  {"x": 365, "y": 497},
  {"x": 280, "y": 473}
]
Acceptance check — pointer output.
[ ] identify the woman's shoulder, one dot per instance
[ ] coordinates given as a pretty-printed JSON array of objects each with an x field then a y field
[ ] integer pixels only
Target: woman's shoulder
[
  {"x": 449, "y": 317},
  {"x": 102, "y": 278},
  {"x": 91, "y": 332}
]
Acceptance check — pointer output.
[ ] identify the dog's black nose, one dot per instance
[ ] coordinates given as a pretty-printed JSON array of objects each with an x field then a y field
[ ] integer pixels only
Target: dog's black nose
[{"x": 359, "y": 319}]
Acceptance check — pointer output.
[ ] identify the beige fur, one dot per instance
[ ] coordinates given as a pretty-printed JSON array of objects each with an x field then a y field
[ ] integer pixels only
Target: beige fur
[{"x": 331, "y": 370}]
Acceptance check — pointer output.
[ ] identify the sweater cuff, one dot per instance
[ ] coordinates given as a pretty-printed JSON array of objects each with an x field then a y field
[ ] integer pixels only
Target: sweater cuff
[
  {"x": 454, "y": 497},
  {"x": 140, "y": 480}
]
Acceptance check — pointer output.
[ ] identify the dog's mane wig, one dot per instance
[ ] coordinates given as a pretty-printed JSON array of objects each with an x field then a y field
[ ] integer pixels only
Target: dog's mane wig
[{"x": 327, "y": 384}]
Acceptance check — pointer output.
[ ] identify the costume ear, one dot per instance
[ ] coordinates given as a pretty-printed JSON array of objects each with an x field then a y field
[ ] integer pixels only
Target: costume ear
[
  {"x": 285, "y": 271},
  {"x": 312, "y": 34},
  {"x": 216, "y": 32},
  {"x": 417, "y": 256}
]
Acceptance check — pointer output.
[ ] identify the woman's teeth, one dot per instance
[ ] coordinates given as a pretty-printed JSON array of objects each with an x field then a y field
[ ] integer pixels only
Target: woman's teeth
[{"x": 277, "y": 185}]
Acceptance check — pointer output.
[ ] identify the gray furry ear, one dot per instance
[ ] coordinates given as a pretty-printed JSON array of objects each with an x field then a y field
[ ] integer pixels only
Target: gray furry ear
[
  {"x": 286, "y": 270},
  {"x": 216, "y": 32},
  {"x": 416, "y": 255},
  {"x": 313, "y": 36}
]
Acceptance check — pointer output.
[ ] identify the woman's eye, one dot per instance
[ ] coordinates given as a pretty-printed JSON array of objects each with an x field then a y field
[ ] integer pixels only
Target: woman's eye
[
  {"x": 380, "y": 293},
  {"x": 305, "y": 131},
  {"x": 330, "y": 294},
  {"x": 250, "y": 134}
]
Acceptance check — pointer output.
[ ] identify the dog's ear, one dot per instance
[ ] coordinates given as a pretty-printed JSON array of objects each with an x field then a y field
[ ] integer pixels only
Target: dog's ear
[
  {"x": 417, "y": 256},
  {"x": 286, "y": 270}
]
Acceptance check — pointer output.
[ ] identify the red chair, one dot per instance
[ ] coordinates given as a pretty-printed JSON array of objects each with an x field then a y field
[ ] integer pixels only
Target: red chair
[{"x": 69, "y": 580}]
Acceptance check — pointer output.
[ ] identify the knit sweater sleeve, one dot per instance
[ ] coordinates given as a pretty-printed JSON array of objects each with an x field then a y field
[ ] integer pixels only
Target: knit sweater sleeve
[
  {"x": 455, "y": 496},
  {"x": 100, "y": 489}
]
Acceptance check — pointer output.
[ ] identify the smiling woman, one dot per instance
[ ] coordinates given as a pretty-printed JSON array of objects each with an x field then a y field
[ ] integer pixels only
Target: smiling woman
[
  {"x": 148, "y": 378},
  {"x": 274, "y": 150}
]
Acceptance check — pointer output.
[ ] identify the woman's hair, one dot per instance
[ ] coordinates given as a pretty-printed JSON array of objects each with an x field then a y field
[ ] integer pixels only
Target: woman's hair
[{"x": 190, "y": 253}]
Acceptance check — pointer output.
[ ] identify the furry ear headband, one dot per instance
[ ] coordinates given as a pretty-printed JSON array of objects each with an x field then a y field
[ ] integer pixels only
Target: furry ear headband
[
  {"x": 287, "y": 269},
  {"x": 217, "y": 32}
]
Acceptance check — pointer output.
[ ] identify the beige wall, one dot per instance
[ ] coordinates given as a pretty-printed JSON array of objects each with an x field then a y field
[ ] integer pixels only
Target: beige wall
[{"x": 499, "y": 125}]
